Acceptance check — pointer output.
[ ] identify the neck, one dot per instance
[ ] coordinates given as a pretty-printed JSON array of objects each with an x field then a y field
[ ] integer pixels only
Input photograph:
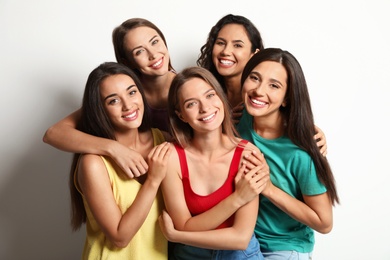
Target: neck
[
  {"x": 157, "y": 89},
  {"x": 233, "y": 90},
  {"x": 269, "y": 127},
  {"x": 208, "y": 143}
]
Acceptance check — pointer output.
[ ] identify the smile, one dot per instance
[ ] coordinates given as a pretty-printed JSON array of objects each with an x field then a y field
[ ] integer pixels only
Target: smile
[
  {"x": 130, "y": 116},
  {"x": 158, "y": 63},
  {"x": 209, "y": 117},
  {"x": 226, "y": 62},
  {"x": 258, "y": 102}
]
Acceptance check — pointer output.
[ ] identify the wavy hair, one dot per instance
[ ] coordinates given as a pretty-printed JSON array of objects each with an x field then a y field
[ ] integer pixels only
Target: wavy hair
[{"x": 205, "y": 58}]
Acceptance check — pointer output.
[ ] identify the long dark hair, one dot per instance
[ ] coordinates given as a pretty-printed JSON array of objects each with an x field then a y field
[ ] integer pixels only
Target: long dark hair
[
  {"x": 119, "y": 34},
  {"x": 297, "y": 113},
  {"x": 205, "y": 58},
  {"x": 183, "y": 132},
  {"x": 95, "y": 121}
]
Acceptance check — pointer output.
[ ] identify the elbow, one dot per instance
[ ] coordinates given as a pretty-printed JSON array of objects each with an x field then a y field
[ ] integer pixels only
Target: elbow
[
  {"x": 120, "y": 243},
  {"x": 325, "y": 229},
  {"x": 242, "y": 242},
  {"x": 46, "y": 136}
]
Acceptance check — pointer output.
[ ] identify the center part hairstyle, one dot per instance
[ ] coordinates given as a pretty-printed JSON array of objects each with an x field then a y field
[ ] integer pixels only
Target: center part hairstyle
[
  {"x": 95, "y": 121},
  {"x": 118, "y": 36},
  {"x": 205, "y": 59},
  {"x": 297, "y": 113},
  {"x": 183, "y": 132}
]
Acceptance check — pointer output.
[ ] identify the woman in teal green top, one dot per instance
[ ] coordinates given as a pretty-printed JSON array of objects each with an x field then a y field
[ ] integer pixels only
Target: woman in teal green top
[{"x": 278, "y": 119}]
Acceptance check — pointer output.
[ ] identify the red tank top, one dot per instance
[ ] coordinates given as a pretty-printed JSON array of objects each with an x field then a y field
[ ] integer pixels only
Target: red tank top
[{"x": 198, "y": 204}]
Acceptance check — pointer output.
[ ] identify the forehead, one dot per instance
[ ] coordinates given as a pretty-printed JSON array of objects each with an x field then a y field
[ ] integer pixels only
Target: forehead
[
  {"x": 194, "y": 87},
  {"x": 233, "y": 32},
  {"x": 272, "y": 69},
  {"x": 115, "y": 83},
  {"x": 139, "y": 36}
]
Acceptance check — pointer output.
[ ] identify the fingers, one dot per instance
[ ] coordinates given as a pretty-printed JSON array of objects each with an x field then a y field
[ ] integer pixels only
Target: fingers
[
  {"x": 255, "y": 159},
  {"x": 160, "y": 152}
]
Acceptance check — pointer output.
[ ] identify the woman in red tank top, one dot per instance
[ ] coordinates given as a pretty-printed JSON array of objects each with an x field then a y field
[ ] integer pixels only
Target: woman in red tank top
[{"x": 205, "y": 181}]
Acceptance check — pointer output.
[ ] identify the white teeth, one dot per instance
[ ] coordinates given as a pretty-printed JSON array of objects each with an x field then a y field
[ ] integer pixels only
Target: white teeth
[
  {"x": 226, "y": 62},
  {"x": 131, "y": 115},
  {"x": 157, "y": 63},
  {"x": 258, "y": 102},
  {"x": 209, "y": 117}
]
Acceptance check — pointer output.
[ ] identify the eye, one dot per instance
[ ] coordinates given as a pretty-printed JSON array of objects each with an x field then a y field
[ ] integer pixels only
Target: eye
[
  {"x": 138, "y": 52},
  {"x": 154, "y": 42},
  {"x": 273, "y": 85},
  {"x": 220, "y": 43},
  {"x": 113, "y": 101},
  {"x": 190, "y": 104},
  {"x": 254, "y": 77},
  {"x": 210, "y": 95},
  {"x": 237, "y": 45},
  {"x": 132, "y": 92}
]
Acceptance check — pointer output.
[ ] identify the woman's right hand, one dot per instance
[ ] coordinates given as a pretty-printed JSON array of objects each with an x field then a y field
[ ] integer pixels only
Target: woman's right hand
[
  {"x": 158, "y": 161},
  {"x": 130, "y": 161},
  {"x": 166, "y": 225}
]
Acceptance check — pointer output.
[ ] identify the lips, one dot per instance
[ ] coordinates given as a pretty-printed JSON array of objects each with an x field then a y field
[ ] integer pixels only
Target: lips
[
  {"x": 131, "y": 116},
  {"x": 225, "y": 62},
  {"x": 257, "y": 102},
  {"x": 208, "y": 118},
  {"x": 157, "y": 64}
]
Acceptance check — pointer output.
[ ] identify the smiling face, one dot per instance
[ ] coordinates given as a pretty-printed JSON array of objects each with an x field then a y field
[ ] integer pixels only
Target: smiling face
[
  {"x": 122, "y": 102},
  {"x": 232, "y": 50},
  {"x": 265, "y": 88},
  {"x": 147, "y": 51},
  {"x": 200, "y": 106}
]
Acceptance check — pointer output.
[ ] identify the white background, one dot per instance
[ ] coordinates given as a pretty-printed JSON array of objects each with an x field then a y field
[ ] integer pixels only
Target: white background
[{"x": 48, "y": 48}]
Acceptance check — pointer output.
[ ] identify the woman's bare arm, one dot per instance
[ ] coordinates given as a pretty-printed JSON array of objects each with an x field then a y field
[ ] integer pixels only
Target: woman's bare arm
[{"x": 64, "y": 136}]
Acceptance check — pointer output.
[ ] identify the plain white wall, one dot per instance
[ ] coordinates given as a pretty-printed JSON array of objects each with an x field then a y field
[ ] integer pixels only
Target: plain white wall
[{"x": 48, "y": 48}]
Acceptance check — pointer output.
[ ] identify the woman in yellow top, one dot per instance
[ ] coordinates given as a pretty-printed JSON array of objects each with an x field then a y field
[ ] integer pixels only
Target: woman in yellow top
[{"x": 120, "y": 213}]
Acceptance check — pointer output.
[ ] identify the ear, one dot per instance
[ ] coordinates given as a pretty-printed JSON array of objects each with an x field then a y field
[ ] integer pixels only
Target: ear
[
  {"x": 284, "y": 104},
  {"x": 180, "y": 116},
  {"x": 256, "y": 51}
]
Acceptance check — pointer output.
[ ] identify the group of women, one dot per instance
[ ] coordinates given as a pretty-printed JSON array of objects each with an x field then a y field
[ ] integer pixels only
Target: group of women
[{"x": 225, "y": 155}]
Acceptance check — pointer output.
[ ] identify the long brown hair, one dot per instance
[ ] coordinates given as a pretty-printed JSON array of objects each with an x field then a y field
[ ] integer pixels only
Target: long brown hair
[
  {"x": 118, "y": 36},
  {"x": 95, "y": 121},
  {"x": 297, "y": 113},
  {"x": 183, "y": 132}
]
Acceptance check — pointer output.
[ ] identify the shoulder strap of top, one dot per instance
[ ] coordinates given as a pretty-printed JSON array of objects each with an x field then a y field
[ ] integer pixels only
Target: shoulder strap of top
[
  {"x": 237, "y": 156},
  {"x": 183, "y": 160}
]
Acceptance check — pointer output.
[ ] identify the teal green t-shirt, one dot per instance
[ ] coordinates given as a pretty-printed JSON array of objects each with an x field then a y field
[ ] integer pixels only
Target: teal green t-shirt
[{"x": 292, "y": 170}]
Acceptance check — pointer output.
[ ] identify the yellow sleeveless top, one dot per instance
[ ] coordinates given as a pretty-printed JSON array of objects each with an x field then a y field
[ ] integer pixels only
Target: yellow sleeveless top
[{"x": 148, "y": 242}]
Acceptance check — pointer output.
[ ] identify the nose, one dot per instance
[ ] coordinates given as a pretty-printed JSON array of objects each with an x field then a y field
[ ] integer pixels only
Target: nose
[
  {"x": 126, "y": 105},
  {"x": 152, "y": 54},
  {"x": 227, "y": 50},
  {"x": 259, "y": 90},
  {"x": 203, "y": 107}
]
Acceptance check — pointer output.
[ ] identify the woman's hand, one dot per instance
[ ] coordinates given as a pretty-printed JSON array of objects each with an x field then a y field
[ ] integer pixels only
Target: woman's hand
[
  {"x": 321, "y": 141},
  {"x": 130, "y": 161},
  {"x": 157, "y": 161},
  {"x": 166, "y": 225},
  {"x": 252, "y": 177}
]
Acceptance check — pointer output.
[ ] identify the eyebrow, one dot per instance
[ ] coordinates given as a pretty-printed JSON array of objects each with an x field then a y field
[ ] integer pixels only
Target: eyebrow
[
  {"x": 115, "y": 94},
  {"x": 235, "y": 41},
  {"x": 140, "y": 46},
  {"x": 205, "y": 93},
  {"x": 272, "y": 79}
]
